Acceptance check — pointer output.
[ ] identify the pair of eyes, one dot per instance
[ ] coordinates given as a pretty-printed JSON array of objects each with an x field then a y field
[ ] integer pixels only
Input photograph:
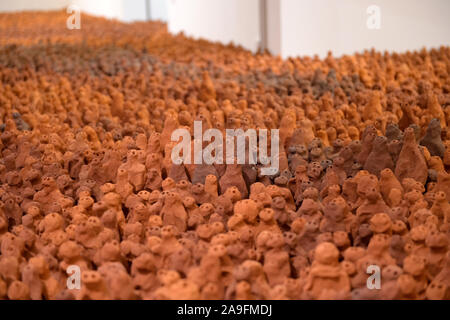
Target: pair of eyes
[
  {"x": 93, "y": 221},
  {"x": 90, "y": 276}
]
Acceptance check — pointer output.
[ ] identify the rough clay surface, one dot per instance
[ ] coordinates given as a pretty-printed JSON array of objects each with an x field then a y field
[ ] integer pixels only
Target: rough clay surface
[{"x": 86, "y": 177}]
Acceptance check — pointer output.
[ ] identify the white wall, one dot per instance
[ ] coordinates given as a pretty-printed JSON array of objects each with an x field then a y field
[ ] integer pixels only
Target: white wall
[
  {"x": 217, "y": 20},
  {"x": 159, "y": 10},
  {"x": 133, "y": 10},
  {"x": 125, "y": 10},
  {"x": 314, "y": 27},
  {"x": 19, "y": 5},
  {"x": 107, "y": 8},
  {"x": 308, "y": 27}
]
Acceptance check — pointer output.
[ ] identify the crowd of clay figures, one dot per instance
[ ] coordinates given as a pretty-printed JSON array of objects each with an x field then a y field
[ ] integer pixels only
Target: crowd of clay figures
[{"x": 86, "y": 177}]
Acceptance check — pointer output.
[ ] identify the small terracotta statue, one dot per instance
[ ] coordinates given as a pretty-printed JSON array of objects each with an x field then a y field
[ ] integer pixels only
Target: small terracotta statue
[{"x": 326, "y": 273}]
